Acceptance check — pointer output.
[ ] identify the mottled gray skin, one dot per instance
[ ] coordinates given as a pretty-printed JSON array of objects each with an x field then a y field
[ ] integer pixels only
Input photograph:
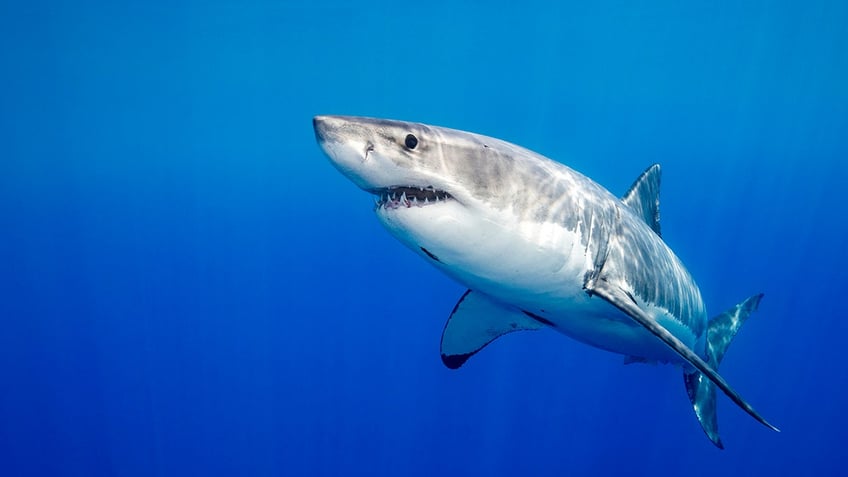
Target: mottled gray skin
[
  {"x": 486, "y": 172},
  {"x": 529, "y": 232}
]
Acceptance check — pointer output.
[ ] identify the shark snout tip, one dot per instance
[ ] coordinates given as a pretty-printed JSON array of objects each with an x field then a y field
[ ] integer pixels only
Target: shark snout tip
[{"x": 319, "y": 124}]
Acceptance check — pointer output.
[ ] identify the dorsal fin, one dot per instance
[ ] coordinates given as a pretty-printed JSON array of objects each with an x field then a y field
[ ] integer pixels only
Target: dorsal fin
[{"x": 644, "y": 197}]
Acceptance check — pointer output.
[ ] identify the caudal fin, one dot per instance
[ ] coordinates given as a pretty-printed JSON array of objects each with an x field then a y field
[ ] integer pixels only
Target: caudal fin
[{"x": 702, "y": 391}]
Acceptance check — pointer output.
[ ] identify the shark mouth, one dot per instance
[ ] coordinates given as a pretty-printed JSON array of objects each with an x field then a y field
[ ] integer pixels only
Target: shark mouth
[{"x": 397, "y": 197}]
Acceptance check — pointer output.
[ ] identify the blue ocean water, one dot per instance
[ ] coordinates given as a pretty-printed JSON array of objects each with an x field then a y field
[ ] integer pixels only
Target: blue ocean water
[{"x": 187, "y": 286}]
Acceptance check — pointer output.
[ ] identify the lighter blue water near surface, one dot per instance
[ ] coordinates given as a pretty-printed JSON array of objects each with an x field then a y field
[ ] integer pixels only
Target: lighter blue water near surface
[{"x": 187, "y": 286}]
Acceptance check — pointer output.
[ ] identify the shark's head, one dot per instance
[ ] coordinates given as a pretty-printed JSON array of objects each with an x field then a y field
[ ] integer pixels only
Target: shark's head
[
  {"x": 403, "y": 164},
  {"x": 427, "y": 180},
  {"x": 427, "y": 164},
  {"x": 494, "y": 216}
]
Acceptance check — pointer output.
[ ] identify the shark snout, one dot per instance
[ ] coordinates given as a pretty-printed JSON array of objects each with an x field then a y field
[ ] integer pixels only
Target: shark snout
[
  {"x": 345, "y": 144},
  {"x": 331, "y": 136},
  {"x": 321, "y": 126},
  {"x": 328, "y": 127},
  {"x": 336, "y": 133}
]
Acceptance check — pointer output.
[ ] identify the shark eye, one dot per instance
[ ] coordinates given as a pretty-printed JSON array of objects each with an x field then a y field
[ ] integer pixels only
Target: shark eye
[{"x": 411, "y": 141}]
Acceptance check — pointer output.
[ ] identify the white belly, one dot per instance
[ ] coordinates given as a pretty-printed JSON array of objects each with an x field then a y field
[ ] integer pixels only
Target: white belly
[{"x": 537, "y": 267}]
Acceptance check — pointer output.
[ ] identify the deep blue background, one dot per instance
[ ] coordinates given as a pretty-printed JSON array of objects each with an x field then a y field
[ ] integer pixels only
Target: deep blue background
[{"x": 187, "y": 287}]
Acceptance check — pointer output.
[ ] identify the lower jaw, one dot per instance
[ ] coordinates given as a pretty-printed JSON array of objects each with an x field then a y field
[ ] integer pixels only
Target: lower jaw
[{"x": 406, "y": 203}]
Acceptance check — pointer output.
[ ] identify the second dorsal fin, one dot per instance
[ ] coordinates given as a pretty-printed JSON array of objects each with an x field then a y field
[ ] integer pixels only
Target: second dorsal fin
[{"x": 644, "y": 197}]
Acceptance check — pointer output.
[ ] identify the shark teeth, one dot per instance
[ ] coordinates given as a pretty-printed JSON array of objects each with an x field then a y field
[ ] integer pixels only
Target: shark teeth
[{"x": 402, "y": 196}]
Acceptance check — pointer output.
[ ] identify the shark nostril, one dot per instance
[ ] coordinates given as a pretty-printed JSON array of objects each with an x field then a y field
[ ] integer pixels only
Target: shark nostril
[{"x": 369, "y": 147}]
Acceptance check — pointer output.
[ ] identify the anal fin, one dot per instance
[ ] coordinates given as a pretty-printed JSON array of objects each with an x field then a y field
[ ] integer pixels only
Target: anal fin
[{"x": 476, "y": 321}]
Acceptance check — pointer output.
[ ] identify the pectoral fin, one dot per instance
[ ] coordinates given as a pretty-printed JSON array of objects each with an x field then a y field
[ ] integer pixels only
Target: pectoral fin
[
  {"x": 624, "y": 301},
  {"x": 476, "y": 321}
]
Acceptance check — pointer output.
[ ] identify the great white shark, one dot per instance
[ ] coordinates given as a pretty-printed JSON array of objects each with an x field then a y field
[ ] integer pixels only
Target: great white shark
[{"x": 538, "y": 245}]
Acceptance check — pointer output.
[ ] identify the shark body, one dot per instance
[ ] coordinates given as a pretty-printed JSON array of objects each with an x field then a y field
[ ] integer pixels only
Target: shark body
[{"x": 538, "y": 245}]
